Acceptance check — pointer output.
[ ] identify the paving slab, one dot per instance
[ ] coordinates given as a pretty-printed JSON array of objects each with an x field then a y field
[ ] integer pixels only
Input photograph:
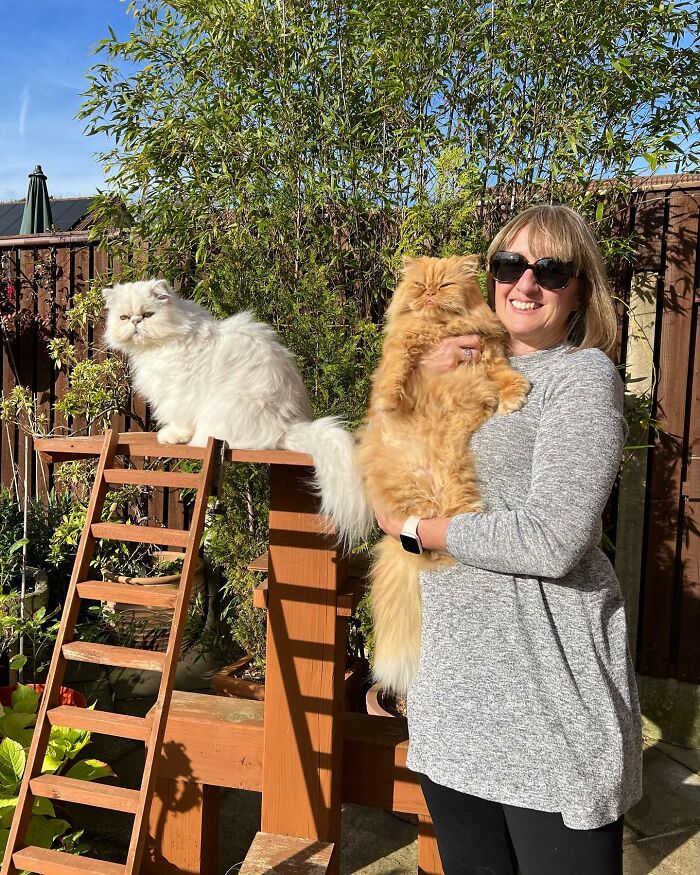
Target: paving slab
[{"x": 671, "y": 798}]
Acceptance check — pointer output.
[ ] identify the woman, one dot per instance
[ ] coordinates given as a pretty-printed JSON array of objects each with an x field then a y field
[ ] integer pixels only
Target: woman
[{"x": 524, "y": 717}]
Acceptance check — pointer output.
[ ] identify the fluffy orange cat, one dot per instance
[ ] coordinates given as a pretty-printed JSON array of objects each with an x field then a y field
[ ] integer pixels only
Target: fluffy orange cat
[{"x": 414, "y": 448}]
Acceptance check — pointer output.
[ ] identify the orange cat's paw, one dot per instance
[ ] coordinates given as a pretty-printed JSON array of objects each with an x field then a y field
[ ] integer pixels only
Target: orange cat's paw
[{"x": 514, "y": 397}]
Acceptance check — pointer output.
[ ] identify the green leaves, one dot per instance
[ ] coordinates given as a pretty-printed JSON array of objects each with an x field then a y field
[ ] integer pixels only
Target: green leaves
[
  {"x": 25, "y": 699},
  {"x": 12, "y": 761},
  {"x": 89, "y": 770}
]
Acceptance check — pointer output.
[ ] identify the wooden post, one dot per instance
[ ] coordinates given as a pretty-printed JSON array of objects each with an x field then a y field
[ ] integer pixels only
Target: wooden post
[
  {"x": 183, "y": 829},
  {"x": 302, "y": 765},
  {"x": 428, "y": 855}
]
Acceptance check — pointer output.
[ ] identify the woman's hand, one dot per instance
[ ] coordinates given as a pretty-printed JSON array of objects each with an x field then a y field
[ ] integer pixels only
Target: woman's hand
[
  {"x": 388, "y": 524},
  {"x": 432, "y": 532},
  {"x": 451, "y": 352}
]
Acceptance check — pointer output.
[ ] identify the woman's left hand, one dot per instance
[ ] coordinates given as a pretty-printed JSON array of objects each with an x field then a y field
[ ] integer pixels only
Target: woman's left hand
[{"x": 388, "y": 524}]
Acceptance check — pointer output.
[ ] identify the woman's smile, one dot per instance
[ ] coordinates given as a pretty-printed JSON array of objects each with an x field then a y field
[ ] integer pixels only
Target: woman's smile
[{"x": 535, "y": 317}]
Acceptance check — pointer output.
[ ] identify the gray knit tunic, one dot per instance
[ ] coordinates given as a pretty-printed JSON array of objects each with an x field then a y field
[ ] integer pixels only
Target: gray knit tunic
[{"x": 525, "y": 693}]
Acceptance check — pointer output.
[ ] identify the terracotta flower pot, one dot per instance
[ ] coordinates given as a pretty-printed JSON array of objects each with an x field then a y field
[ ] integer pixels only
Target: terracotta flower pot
[
  {"x": 67, "y": 695},
  {"x": 226, "y": 682},
  {"x": 381, "y": 704},
  {"x": 149, "y": 626}
]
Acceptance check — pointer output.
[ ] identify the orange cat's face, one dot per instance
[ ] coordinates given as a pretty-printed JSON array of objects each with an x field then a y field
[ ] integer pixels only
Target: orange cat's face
[{"x": 437, "y": 288}]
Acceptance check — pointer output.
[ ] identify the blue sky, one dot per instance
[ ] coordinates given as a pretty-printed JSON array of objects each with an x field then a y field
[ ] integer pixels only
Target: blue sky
[{"x": 46, "y": 49}]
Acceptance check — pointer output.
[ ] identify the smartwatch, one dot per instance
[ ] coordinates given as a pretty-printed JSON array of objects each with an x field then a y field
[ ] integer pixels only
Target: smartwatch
[{"x": 409, "y": 536}]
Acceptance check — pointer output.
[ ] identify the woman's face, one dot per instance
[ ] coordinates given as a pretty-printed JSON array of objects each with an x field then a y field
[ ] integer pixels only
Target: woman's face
[{"x": 544, "y": 324}]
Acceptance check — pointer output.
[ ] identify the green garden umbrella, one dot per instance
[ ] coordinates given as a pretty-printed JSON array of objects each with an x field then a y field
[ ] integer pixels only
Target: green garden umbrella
[{"x": 37, "y": 208}]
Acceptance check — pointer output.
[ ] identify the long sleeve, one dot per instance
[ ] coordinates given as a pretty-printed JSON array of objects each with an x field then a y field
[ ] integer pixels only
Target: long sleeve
[{"x": 576, "y": 456}]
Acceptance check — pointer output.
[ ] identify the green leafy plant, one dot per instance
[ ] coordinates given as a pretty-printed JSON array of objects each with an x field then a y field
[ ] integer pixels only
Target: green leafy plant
[
  {"x": 38, "y": 631},
  {"x": 17, "y": 723}
]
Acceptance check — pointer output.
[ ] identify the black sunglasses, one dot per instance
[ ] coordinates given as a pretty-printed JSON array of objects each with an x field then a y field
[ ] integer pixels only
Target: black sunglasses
[{"x": 550, "y": 273}]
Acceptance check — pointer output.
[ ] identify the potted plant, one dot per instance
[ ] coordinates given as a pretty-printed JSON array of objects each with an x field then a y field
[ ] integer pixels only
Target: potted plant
[
  {"x": 46, "y": 828},
  {"x": 144, "y": 626}
]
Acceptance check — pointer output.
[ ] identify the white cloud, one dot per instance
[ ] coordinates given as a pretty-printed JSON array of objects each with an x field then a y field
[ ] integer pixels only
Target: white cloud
[{"x": 24, "y": 105}]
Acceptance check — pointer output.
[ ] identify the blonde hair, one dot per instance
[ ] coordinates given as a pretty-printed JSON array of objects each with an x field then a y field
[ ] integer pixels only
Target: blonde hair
[{"x": 559, "y": 231}]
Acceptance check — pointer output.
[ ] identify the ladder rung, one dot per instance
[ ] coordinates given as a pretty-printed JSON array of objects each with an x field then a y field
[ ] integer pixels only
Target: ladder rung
[
  {"x": 117, "y": 657},
  {"x": 260, "y": 563},
  {"x": 128, "y": 593},
  {"x": 104, "y": 722},
  {"x": 145, "y": 477},
  {"x": 45, "y": 862},
  {"x": 86, "y": 793},
  {"x": 140, "y": 534}
]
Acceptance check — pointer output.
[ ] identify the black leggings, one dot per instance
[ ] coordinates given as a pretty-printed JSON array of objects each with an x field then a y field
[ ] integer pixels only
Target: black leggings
[{"x": 479, "y": 837}]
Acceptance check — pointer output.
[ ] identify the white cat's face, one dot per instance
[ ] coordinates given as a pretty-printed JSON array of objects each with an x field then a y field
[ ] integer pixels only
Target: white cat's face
[{"x": 139, "y": 314}]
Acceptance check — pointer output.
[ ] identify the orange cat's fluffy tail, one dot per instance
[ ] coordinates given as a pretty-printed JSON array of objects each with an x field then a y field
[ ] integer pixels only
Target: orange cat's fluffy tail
[{"x": 396, "y": 607}]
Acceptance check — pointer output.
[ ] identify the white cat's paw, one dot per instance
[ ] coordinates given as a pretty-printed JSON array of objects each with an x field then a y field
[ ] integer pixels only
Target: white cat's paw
[{"x": 171, "y": 434}]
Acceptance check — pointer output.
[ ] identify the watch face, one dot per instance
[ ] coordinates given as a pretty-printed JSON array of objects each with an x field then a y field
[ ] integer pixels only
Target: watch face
[{"x": 410, "y": 543}]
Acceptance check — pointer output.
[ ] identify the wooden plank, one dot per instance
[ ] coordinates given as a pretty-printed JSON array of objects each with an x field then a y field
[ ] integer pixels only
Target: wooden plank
[
  {"x": 350, "y": 596},
  {"x": 649, "y": 223},
  {"x": 305, "y": 662},
  {"x": 104, "y": 722},
  {"x": 146, "y": 444},
  {"x": 79, "y": 279},
  {"x": 183, "y": 829},
  {"x": 214, "y": 740},
  {"x": 86, "y": 793},
  {"x": 663, "y": 572},
  {"x": 45, "y": 862},
  {"x": 139, "y": 476},
  {"x": 44, "y": 366},
  {"x": 429, "y": 862},
  {"x": 689, "y": 626},
  {"x": 8, "y": 432},
  {"x": 286, "y": 855},
  {"x": 259, "y": 563},
  {"x": 118, "y": 657},
  {"x": 25, "y": 359},
  {"x": 128, "y": 594},
  {"x": 219, "y": 741},
  {"x": 63, "y": 293},
  {"x": 140, "y": 534},
  {"x": 260, "y": 595},
  {"x": 358, "y": 565},
  {"x": 269, "y": 457}
]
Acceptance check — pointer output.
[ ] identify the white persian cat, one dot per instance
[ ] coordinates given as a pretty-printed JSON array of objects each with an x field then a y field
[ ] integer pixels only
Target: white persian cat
[{"x": 230, "y": 379}]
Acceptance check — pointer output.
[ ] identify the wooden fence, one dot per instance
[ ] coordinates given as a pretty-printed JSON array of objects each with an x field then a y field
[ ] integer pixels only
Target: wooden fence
[
  {"x": 46, "y": 273},
  {"x": 668, "y": 635},
  {"x": 658, "y": 502}
]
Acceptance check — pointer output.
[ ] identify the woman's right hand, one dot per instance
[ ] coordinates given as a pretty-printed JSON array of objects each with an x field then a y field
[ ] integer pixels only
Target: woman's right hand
[{"x": 451, "y": 352}]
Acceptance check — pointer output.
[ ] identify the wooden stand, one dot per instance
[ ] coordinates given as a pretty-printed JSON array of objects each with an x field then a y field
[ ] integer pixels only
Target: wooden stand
[{"x": 306, "y": 756}]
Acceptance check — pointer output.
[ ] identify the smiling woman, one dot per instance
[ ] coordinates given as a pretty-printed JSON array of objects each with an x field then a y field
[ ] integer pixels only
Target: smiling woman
[{"x": 524, "y": 717}]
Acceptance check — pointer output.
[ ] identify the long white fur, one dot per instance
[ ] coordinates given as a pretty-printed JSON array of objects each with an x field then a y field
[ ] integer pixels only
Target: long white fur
[{"x": 230, "y": 379}]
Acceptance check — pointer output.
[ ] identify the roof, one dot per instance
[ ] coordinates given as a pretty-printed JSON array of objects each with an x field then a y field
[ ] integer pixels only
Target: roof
[{"x": 68, "y": 214}]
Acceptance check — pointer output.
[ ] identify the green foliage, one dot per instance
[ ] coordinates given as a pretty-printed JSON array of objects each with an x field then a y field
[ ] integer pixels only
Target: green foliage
[
  {"x": 38, "y": 630},
  {"x": 237, "y": 534},
  {"x": 16, "y": 729}
]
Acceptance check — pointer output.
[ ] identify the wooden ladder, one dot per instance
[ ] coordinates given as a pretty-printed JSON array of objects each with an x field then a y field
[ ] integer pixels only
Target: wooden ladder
[{"x": 149, "y": 729}]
